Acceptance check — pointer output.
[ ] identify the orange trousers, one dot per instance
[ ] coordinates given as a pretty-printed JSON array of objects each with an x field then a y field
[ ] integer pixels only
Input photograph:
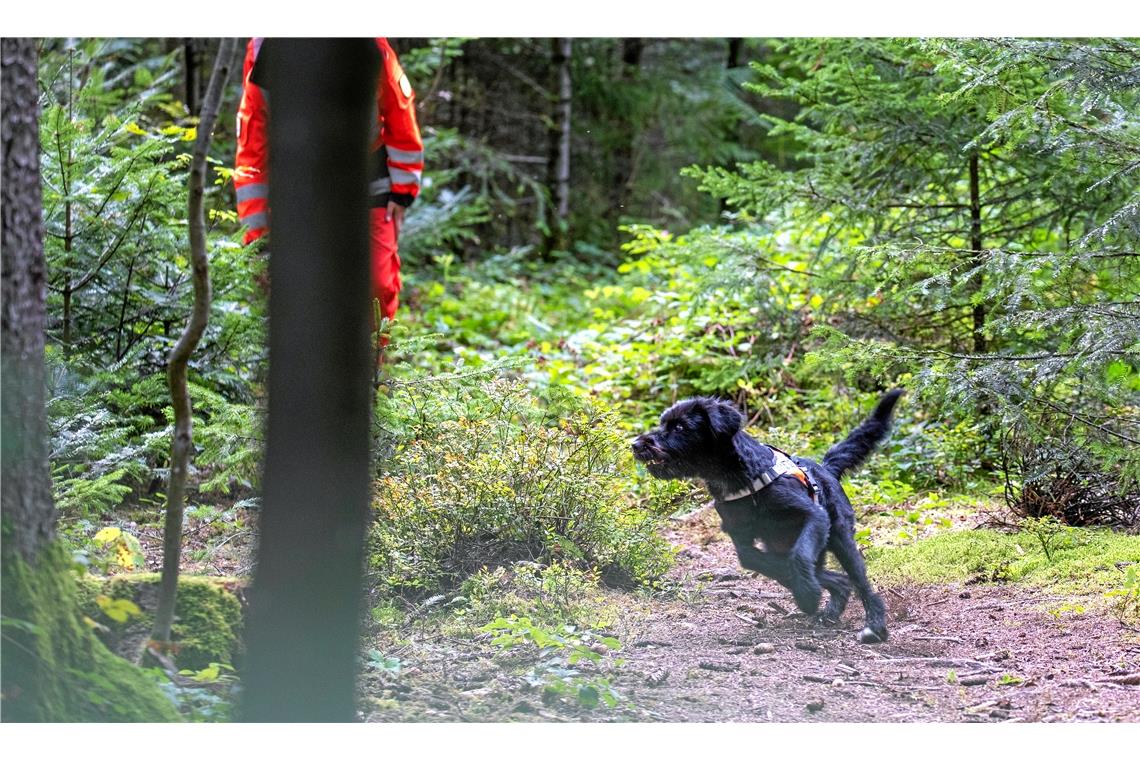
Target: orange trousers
[{"x": 385, "y": 262}]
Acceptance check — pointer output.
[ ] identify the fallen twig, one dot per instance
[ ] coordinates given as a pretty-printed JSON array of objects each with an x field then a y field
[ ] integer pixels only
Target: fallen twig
[
  {"x": 893, "y": 687},
  {"x": 1129, "y": 679},
  {"x": 943, "y": 662},
  {"x": 955, "y": 639},
  {"x": 746, "y": 619}
]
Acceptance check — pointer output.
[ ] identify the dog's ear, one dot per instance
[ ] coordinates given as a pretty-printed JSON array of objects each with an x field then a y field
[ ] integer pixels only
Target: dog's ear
[{"x": 725, "y": 420}]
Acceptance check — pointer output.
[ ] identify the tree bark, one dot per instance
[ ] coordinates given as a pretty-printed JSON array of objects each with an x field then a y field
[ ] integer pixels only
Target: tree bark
[
  {"x": 183, "y": 443},
  {"x": 305, "y": 600},
  {"x": 558, "y": 167},
  {"x": 26, "y": 485},
  {"x": 53, "y": 668}
]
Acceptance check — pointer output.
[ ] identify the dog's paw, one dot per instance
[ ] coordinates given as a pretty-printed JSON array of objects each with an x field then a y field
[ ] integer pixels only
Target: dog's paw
[
  {"x": 807, "y": 600},
  {"x": 825, "y": 619},
  {"x": 868, "y": 636}
]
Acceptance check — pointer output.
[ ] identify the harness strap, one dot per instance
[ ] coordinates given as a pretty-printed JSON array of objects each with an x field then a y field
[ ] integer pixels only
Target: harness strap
[{"x": 783, "y": 465}]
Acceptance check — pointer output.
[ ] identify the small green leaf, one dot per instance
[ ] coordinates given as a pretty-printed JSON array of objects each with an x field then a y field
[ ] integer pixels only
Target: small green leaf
[{"x": 588, "y": 697}]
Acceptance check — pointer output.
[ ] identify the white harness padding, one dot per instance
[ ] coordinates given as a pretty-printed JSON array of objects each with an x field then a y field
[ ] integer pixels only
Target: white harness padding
[{"x": 782, "y": 466}]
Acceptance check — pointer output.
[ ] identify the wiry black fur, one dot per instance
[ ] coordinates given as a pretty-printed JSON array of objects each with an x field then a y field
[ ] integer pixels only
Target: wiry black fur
[
  {"x": 854, "y": 450},
  {"x": 703, "y": 438}
]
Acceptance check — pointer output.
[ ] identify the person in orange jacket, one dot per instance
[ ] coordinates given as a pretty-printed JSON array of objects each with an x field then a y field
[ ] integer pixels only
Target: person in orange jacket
[{"x": 395, "y": 177}]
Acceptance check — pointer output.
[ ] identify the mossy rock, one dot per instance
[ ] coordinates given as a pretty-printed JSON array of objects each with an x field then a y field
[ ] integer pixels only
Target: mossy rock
[
  {"x": 208, "y": 618},
  {"x": 54, "y": 669}
]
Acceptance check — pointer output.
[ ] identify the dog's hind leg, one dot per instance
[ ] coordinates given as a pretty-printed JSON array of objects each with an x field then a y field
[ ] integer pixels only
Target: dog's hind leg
[
  {"x": 847, "y": 552},
  {"x": 802, "y": 561}
]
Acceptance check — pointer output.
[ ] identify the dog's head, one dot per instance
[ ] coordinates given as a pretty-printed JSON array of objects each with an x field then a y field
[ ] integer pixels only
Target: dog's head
[{"x": 689, "y": 438}]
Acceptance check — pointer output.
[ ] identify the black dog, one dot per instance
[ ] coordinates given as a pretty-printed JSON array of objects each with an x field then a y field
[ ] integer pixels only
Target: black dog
[{"x": 795, "y": 506}]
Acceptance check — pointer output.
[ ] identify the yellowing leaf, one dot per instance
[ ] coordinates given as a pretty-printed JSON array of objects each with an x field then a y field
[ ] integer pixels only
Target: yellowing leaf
[
  {"x": 119, "y": 610},
  {"x": 107, "y": 535},
  {"x": 190, "y": 135},
  {"x": 134, "y": 129},
  {"x": 816, "y": 301}
]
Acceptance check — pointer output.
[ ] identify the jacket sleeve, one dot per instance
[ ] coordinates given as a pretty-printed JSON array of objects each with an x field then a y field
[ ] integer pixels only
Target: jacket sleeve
[
  {"x": 399, "y": 133},
  {"x": 252, "y": 160}
]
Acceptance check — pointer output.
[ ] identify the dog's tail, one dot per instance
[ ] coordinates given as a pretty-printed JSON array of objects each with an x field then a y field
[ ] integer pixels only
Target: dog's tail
[{"x": 852, "y": 451}]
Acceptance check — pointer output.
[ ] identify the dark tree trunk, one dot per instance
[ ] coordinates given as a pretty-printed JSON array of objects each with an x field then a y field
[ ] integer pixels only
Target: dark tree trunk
[
  {"x": 191, "y": 73},
  {"x": 979, "y": 309},
  {"x": 305, "y": 600},
  {"x": 176, "y": 373},
  {"x": 26, "y": 487},
  {"x": 558, "y": 166},
  {"x": 735, "y": 47},
  {"x": 623, "y": 158}
]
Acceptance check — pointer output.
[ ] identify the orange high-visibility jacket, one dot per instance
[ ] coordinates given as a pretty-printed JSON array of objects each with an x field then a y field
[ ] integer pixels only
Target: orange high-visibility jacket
[{"x": 396, "y": 142}]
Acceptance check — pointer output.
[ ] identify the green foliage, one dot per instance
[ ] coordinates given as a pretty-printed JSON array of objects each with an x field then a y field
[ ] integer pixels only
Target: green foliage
[
  {"x": 1050, "y": 533},
  {"x": 115, "y": 144},
  {"x": 1126, "y": 598},
  {"x": 978, "y": 201},
  {"x": 483, "y": 473},
  {"x": 382, "y": 663},
  {"x": 563, "y": 649}
]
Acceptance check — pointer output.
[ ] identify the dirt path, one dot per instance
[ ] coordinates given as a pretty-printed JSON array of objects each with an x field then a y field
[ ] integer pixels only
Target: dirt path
[
  {"x": 738, "y": 655},
  {"x": 728, "y": 650}
]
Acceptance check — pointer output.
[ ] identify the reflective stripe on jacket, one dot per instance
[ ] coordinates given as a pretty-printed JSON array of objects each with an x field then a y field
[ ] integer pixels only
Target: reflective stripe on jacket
[{"x": 396, "y": 143}]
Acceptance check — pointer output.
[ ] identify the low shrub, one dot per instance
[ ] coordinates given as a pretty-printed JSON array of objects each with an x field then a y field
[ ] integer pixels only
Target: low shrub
[{"x": 484, "y": 473}]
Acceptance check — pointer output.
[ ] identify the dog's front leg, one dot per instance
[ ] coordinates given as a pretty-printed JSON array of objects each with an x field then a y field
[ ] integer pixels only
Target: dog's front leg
[{"x": 775, "y": 566}]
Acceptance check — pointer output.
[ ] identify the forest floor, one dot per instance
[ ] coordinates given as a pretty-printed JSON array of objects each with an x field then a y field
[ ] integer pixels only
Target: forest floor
[{"x": 726, "y": 647}]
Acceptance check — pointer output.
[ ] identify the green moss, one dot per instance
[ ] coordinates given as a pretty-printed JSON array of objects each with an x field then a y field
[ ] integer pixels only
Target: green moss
[
  {"x": 207, "y": 616},
  {"x": 54, "y": 668},
  {"x": 1085, "y": 563}
]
